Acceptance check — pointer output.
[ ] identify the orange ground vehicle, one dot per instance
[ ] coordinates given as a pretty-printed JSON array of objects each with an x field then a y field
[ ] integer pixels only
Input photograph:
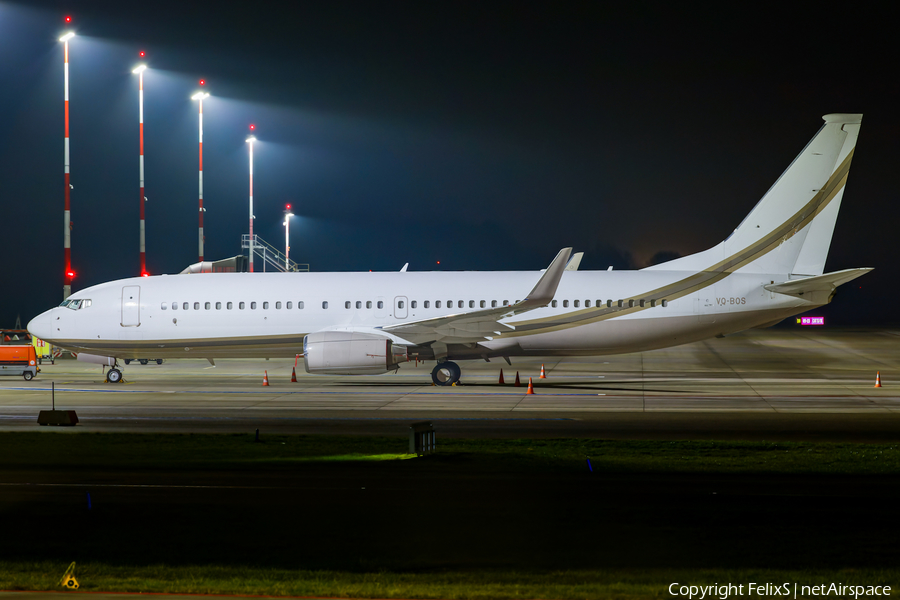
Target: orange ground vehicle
[{"x": 19, "y": 360}]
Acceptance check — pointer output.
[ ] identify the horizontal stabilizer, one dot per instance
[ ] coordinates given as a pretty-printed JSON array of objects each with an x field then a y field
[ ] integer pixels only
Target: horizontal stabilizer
[{"x": 820, "y": 283}]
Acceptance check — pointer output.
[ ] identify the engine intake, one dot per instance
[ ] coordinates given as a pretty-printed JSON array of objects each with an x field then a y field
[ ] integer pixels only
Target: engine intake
[{"x": 351, "y": 353}]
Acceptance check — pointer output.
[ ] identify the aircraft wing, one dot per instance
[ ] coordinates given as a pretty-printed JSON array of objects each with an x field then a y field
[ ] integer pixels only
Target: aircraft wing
[
  {"x": 484, "y": 324},
  {"x": 820, "y": 283}
]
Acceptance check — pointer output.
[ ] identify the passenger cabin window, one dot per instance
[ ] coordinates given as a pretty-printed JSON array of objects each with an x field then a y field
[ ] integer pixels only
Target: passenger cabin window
[
  {"x": 493, "y": 304},
  {"x": 437, "y": 303},
  {"x": 577, "y": 303},
  {"x": 229, "y": 306},
  {"x": 185, "y": 305},
  {"x": 665, "y": 303},
  {"x": 471, "y": 304},
  {"x": 358, "y": 304},
  {"x": 218, "y": 306},
  {"x": 553, "y": 304},
  {"x": 506, "y": 303},
  {"x": 412, "y": 304},
  {"x": 400, "y": 304},
  {"x": 196, "y": 306},
  {"x": 299, "y": 304},
  {"x": 265, "y": 306},
  {"x": 163, "y": 306},
  {"x": 565, "y": 304},
  {"x": 253, "y": 306},
  {"x": 174, "y": 306},
  {"x": 380, "y": 304},
  {"x": 325, "y": 304},
  {"x": 368, "y": 304},
  {"x": 207, "y": 306},
  {"x": 609, "y": 304},
  {"x": 241, "y": 305},
  {"x": 587, "y": 303},
  {"x": 482, "y": 304},
  {"x": 347, "y": 304},
  {"x": 460, "y": 304},
  {"x": 427, "y": 304},
  {"x": 278, "y": 305},
  {"x": 289, "y": 305},
  {"x": 450, "y": 303}
]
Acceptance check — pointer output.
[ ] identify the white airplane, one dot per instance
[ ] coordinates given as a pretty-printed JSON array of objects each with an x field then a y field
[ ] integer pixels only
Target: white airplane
[{"x": 769, "y": 268}]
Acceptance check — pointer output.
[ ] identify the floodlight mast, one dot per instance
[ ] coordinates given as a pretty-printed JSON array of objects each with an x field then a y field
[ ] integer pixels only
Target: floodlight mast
[
  {"x": 287, "y": 236},
  {"x": 250, "y": 141},
  {"x": 140, "y": 73},
  {"x": 199, "y": 96},
  {"x": 67, "y": 222}
]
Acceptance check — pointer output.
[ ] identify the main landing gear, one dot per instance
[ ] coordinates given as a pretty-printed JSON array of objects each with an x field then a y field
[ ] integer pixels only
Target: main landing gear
[
  {"x": 445, "y": 373},
  {"x": 114, "y": 375}
]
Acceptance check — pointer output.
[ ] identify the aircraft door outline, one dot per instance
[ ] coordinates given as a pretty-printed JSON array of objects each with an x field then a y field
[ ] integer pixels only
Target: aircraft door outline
[{"x": 131, "y": 306}]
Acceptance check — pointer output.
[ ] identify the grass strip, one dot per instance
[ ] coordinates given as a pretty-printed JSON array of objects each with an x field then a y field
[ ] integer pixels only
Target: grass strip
[
  {"x": 239, "y": 451},
  {"x": 614, "y": 584}
]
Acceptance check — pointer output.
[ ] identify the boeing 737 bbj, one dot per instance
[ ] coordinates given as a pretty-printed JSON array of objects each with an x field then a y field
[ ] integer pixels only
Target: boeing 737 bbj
[{"x": 770, "y": 268}]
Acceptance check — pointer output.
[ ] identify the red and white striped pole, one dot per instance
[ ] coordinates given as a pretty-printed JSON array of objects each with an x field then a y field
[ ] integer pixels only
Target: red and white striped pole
[
  {"x": 250, "y": 141},
  {"x": 67, "y": 223},
  {"x": 199, "y": 96},
  {"x": 140, "y": 72}
]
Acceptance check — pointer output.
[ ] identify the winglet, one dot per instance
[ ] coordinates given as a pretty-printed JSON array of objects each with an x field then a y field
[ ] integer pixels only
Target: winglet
[
  {"x": 545, "y": 288},
  {"x": 575, "y": 262}
]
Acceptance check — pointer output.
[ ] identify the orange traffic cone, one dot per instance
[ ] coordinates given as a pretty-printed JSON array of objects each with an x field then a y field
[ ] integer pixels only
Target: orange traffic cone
[
  {"x": 501, "y": 382},
  {"x": 517, "y": 383},
  {"x": 543, "y": 375},
  {"x": 266, "y": 378},
  {"x": 530, "y": 387},
  {"x": 294, "y": 375},
  {"x": 878, "y": 379}
]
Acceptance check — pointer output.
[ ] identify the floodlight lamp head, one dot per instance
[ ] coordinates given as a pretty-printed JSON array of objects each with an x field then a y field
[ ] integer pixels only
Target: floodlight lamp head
[
  {"x": 251, "y": 139},
  {"x": 200, "y": 96},
  {"x": 139, "y": 69},
  {"x": 67, "y": 37}
]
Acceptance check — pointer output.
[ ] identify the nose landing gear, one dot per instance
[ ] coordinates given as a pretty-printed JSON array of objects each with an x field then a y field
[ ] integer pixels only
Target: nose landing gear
[{"x": 445, "y": 373}]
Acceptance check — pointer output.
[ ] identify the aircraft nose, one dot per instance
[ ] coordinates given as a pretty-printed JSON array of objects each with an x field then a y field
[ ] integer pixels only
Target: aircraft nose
[{"x": 41, "y": 326}]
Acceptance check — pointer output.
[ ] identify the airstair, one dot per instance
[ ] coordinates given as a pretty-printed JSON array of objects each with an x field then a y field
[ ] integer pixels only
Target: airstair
[{"x": 271, "y": 255}]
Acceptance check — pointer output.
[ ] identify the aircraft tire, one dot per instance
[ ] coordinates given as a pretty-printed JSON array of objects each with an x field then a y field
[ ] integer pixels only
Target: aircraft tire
[
  {"x": 114, "y": 376},
  {"x": 446, "y": 373},
  {"x": 144, "y": 361}
]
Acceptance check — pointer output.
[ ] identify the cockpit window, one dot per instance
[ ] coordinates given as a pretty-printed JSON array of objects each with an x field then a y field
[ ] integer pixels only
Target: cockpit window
[{"x": 76, "y": 304}]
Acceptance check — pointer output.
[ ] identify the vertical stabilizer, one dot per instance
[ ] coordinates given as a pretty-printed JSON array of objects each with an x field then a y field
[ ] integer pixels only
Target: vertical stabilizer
[
  {"x": 789, "y": 230},
  {"x": 791, "y": 226}
]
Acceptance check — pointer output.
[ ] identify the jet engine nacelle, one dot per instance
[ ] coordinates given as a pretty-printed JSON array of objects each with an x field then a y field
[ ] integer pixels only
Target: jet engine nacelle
[
  {"x": 351, "y": 353},
  {"x": 108, "y": 361}
]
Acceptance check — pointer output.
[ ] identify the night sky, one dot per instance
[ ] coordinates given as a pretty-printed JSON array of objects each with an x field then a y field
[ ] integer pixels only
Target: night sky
[{"x": 484, "y": 135}]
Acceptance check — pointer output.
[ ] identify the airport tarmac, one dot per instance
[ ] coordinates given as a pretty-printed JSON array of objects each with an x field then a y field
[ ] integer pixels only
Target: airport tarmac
[{"x": 761, "y": 384}]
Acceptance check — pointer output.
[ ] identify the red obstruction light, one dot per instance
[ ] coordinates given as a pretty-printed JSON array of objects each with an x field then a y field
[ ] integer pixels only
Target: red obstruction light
[
  {"x": 145, "y": 274},
  {"x": 68, "y": 19},
  {"x": 287, "y": 206},
  {"x": 70, "y": 274},
  {"x": 252, "y": 126},
  {"x": 142, "y": 54},
  {"x": 202, "y": 82}
]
